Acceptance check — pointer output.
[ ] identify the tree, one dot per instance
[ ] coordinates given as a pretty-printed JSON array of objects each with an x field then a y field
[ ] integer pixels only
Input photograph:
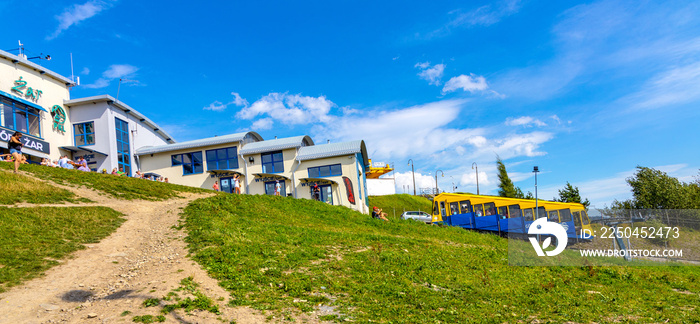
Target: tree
[
  {"x": 654, "y": 189},
  {"x": 506, "y": 188},
  {"x": 571, "y": 194}
]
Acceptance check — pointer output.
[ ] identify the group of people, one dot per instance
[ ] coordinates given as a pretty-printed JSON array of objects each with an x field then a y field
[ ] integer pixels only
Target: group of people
[
  {"x": 236, "y": 182},
  {"x": 66, "y": 163},
  {"x": 141, "y": 175}
]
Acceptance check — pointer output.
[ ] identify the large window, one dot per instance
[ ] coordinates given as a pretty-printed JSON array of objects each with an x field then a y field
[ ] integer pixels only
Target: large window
[
  {"x": 20, "y": 117},
  {"x": 272, "y": 162},
  {"x": 325, "y": 171},
  {"x": 270, "y": 188},
  {"x": 84, "y": 134},
  {"x": 222, "y": 159},
  {"x": 191, "y": 162},
  {"x": 123, "y": 151}
]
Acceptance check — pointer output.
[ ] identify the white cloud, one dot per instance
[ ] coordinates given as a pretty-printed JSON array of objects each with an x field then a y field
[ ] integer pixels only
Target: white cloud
[
  {"x": 215, "y": 106},
  {"x": 526, "y": 121},
  {"x": 238, "y": 101},
  {"x": 431, "y": 74},
  {"x": 77, "y": 13},
  {"x": 471, "y": 83},
  {"x": 289, "y": 109},
  {"x": 483, "y": 16},
  {"x": 486, "y": 15},
  {"x": 98, "y": 84},
  {"x": 85, "y": 71},
  {"x": 219, "y": 106},
  {"x": 115, "y": 71},
  {"x": 677, "y": 85},
  {"x": 262, "y": 124}
]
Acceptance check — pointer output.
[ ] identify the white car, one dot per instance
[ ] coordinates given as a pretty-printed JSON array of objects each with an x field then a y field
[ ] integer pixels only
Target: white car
[{"x": 418, "y": 215}]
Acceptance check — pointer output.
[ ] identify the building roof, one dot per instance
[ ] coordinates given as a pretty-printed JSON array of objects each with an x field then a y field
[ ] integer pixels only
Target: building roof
[
  {"x": 128, "y": 110},
  {"x": 217, "y": 140},
  {"x": 277, "y": 144},
  {"x": 334, "y": 149},
  {"x": 36, "y": 67}
]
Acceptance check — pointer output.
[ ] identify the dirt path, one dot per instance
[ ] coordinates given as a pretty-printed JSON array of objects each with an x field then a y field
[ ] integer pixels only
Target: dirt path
[{"x": 144, "y": 258}]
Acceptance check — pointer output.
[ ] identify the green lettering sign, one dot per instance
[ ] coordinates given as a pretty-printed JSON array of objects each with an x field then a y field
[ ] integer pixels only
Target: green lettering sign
[
  {"x": 59, "y": 118},
  {"x": 30, "y": 93}
]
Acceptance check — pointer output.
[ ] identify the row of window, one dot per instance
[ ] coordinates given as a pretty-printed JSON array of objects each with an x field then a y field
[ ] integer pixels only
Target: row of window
[
  {"x": 20, "y": 117},
  {"x": 219, "y": 159},
  {"x": 325, "y": 171}
]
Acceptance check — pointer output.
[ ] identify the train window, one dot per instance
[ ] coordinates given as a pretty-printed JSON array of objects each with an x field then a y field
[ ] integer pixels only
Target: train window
[
  {"x": 528, "y": 214},
  {"x": 553, "y": 216},
  {"x": 503, "y": 211},
  {"x": 541, "y": 212},
  {"x": 454, "y": 208},
  {"x": 442, "y": 208},
  {"x": 577, "y": 222},
  {"x": 576, "y": 214},
  {"x": 465, "y": 206},
  {"x": 514, "y": 211},
  {"x": 489, "y": 209},
  {"x": 436, "y": 210},
  {"x": 584, "y": 217},
  {"x": 479, "y": 210},
  {"x": 565, "y": 215}
]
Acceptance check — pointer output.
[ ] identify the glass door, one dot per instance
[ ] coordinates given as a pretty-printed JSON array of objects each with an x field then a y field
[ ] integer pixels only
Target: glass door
[
  {"x": 226, "y": 184},
  {"x": 326, "y": 194}
]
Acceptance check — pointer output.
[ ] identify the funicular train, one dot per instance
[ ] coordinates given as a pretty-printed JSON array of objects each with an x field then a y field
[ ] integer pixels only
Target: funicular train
[{"x": 508, "y": 216}]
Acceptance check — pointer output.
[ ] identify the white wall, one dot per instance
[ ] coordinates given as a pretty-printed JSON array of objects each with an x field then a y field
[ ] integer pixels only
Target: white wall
[{"x": 380, "y": 187}]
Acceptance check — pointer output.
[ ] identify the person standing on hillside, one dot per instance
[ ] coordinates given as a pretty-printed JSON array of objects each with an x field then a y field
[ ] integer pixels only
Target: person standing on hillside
[
  {"x": 317, "y": 192},
  {"x": 15, "y": 146},
  {"x": 236, "y": 184},
  {"x": 278, "y": 188},
  {"x": 216, "y": 185}
]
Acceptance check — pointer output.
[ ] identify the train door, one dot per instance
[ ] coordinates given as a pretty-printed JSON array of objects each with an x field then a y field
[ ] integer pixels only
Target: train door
[
  {"x": 515, "y": 221},
  {"x": 442, "y": 212},
  {"x": 489, "y": 220}
]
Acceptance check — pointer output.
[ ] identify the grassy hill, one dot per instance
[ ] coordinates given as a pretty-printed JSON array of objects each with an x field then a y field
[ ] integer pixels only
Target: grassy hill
[
  {"x": 395, "y": 205},
  {"x": 118, "y": 187},
  {"x": 285, "y": 255}
]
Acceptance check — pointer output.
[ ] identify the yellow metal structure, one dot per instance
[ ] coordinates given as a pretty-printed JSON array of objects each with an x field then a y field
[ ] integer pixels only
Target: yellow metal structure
[{"x": 376, "y": 172}]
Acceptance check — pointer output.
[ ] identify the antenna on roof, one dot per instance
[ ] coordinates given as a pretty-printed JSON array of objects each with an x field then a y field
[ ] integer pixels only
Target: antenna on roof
[{"x": 72, "y": 76}]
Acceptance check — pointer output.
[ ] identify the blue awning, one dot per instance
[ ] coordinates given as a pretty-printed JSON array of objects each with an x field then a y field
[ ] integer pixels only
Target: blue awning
[
  {"x": 26, "y": 102},
  {"x": 81, "y": 148}
]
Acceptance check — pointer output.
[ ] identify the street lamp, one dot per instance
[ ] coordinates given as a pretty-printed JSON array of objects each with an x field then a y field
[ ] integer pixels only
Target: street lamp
[
  {"x": 410, "y": 161},
  {"x": 453, "y": 184},
  {"x": 536, "y": 170},
  {"x": 477, "y": 176},
  {"x": 437, "y": 190}
]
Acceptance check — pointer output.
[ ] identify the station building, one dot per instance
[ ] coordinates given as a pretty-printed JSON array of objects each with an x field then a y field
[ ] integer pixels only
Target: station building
[
  {"x": 36, "y": 102},
  {"x": 296, "y": 163}
]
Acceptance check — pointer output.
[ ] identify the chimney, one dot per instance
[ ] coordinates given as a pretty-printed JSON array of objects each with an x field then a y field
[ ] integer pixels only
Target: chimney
[{"x": 328, "y": 141}]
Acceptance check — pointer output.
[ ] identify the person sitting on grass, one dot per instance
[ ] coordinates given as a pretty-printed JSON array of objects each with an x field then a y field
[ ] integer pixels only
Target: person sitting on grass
[
  {"x": 82, "y": 164},
  {"x": 377, "y": 213},
  {"x": 121, "y": 172},
  {"x": 114, "y": 171},
  {"x": 6, "y": 158},
  {"x": 64, "y": 162}
]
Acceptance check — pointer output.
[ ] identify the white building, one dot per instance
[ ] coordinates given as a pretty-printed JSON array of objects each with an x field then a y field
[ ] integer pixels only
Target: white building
[{"x": 36, "y": 102}]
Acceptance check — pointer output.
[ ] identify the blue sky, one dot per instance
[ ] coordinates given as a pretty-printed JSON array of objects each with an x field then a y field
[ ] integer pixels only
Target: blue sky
[{"x": 584, "y": 90}]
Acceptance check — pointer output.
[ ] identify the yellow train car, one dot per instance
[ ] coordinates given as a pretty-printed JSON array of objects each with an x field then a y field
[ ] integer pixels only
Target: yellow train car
[{"x": 506, "y": 215}]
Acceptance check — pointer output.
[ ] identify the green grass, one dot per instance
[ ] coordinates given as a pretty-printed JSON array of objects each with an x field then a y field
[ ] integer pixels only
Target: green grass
[
  {"x": 17, "y": 188},
  {"x": 119, "y": 187},
  {"x": 281, "y": 254},
  {"x": 395, "y": 205},
  {"x": 34, "y": 239}
]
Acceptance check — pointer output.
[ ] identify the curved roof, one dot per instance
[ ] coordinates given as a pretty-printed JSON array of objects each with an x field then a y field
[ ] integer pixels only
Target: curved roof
[
  {"x": 124, "y": 107},
  {"x": 334, "y": 149},
  {"x": 277, "y": 144},
  {"x": 225, "y": 139}
]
